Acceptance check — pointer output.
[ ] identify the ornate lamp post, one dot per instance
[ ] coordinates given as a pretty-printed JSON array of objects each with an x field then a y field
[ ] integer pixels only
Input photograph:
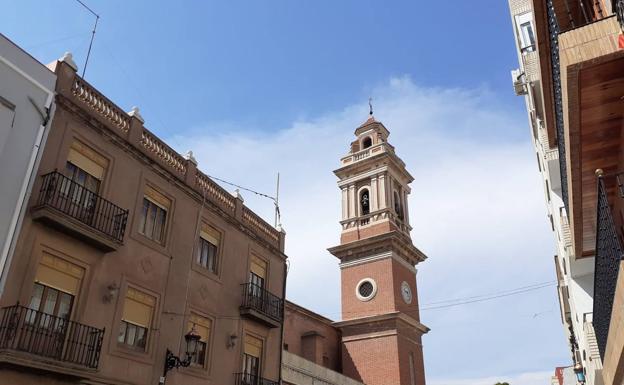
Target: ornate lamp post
[{"x": 172, "y": 361}]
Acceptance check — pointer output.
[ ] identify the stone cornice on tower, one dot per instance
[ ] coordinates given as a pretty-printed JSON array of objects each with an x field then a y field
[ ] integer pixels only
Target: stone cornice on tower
[{"x": 394, "y": 241}]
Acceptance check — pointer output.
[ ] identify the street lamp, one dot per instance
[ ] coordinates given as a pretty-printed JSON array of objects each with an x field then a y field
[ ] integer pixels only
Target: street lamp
[{"x": 172, "y": 361}]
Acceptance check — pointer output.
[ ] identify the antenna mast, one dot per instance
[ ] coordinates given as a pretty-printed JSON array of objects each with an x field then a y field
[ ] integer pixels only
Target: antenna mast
[
  {"x": 277, "y": 212},
  {"x": 97, "y": 18}
]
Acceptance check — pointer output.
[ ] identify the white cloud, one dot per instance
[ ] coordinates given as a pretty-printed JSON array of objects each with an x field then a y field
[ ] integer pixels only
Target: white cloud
[
  {"x": 531, "y": 378},
  {"x": 477, "y": 209}
]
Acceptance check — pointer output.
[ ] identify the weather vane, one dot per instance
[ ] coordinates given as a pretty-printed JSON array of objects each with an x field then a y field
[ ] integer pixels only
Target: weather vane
[{"x": 370, "y": 105}]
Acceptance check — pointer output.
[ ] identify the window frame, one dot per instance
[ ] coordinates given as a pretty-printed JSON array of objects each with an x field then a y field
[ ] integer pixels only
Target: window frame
[
  {"x": 145, "y": 213},
  {"x": 123, "y": 348},
  {"x": 133, "y": 346},
  {"x": 217, "y": 253},
  {"x": 521, "y": 21}
]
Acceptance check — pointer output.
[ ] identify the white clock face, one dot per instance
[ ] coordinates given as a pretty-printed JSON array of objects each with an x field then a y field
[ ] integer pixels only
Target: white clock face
[{"x": 406, "y": 292}]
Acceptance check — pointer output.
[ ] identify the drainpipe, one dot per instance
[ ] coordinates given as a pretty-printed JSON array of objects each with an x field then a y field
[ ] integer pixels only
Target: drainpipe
[{"x": 281, "y": 347}]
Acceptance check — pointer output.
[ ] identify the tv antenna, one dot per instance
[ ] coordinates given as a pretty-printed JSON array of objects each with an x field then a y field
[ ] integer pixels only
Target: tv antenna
[{"x": 97, "y": 18}]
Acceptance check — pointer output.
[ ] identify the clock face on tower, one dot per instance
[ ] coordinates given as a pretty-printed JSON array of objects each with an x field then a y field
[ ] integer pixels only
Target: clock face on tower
[{"x": 406, "y": 292}]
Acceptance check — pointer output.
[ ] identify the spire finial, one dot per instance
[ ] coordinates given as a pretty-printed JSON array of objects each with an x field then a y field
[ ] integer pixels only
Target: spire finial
[{"x": 370, "y": 106}]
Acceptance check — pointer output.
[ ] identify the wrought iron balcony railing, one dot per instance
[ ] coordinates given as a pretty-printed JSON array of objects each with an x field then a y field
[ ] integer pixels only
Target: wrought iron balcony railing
[
  {"x": 251, "y": 379},
  {"x": 607, "y": 264},
  {"x": 41, "y": 334},
  {"x": 553, "y": 31},
  {"x": 257, "y": 298},
  {"x": 67, "y": 196}
]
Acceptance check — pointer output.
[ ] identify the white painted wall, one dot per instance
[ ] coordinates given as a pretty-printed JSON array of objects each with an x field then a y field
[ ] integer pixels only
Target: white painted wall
[{"x": 26, "y": 93}]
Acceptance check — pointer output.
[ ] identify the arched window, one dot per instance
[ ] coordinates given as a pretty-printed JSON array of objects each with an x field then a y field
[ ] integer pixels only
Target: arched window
[
  {"x": 364, "y": 202},
  {"x": 397, "y": 205},
  {"x": 367, "y": 142}
]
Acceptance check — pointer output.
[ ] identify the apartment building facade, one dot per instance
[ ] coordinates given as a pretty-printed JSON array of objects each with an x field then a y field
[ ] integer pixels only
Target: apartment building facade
[
  {"x": 134, "y": 267},
  {"x": 572, "y": 77}
]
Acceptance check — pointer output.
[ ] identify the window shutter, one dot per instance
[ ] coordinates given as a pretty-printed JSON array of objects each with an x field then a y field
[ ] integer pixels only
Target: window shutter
[
  {"x": 157, "y": 198},
  {"x": 202, "y": 326},
  {"x": 258, "y": 266},
  {"x": 138, "y": 308},
  {"x": 59, "y": 274},
  {"x": 210, "y": 234},
  {"x": 253, "y": 346},
  {"x": 88, "y": 160}
]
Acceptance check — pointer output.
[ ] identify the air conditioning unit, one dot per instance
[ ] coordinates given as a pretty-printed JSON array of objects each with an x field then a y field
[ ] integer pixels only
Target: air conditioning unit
[{"x": 519, "y": 82}]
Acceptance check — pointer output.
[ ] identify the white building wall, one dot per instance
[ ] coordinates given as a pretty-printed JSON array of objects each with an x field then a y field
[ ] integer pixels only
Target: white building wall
[
  {"x": 26, "y": 102},
  {"x": 577, "y": 274}
]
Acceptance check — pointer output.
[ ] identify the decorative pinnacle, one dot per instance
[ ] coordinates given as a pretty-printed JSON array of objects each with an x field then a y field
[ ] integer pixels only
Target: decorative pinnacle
[
  {"x": 599, "y": 172},
  {"x": 68, "y": 58},
  {"x": 135, "y": 112}
]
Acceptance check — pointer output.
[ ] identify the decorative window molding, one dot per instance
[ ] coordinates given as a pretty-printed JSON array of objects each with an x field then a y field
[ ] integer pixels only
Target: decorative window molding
[{"x": 366, "y": 289}]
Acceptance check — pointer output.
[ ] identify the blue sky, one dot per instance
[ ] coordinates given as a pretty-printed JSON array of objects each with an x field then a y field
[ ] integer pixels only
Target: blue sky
[
  {"x": 265, "y": 63},
  {"x": 259, "y": 87}
]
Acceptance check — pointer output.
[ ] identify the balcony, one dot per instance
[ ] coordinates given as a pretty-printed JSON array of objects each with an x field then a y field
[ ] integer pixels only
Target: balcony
[
  {"x": 607, "y": 263},
  {"x": 49, "y": 337},
  {"x": 250, "y": 379},
  {"x": 573, "y": 14},
  {"x": 261, "y": 305},
  {"x": 70, "y": 207}
]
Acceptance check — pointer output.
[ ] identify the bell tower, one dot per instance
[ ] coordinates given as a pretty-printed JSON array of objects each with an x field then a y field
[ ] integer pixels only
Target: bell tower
[{"x": 381, "y": 329}]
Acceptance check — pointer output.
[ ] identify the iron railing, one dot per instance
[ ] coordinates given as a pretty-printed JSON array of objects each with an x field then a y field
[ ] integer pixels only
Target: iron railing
[
  {"x": 251, "y": 379},
  {"x": 553, "y": 32},
  {"x": 579, "y": 13},
  {"x": 45, "y": 335},
  {"x": 607, "y": 264},
  {"x": 64, "y": 194},
  {"x": 258, "y": 298}
]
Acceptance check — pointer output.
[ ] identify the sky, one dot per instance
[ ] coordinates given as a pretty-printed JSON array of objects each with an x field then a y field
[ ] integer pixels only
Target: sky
[{"x": 256, "y": 88}]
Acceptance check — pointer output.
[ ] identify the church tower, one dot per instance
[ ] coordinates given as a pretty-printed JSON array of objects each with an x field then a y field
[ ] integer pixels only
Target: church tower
[{"x": 381, "y": 329}]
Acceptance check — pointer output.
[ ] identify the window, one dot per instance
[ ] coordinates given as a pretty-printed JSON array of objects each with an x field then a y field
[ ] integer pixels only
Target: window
[
  {"x": 257, "y": 272},
  {"x": 56, "y": 285},
  {"x": 547, "y": 191},
  {"x": 366, "y": 289},
  {"x": 202, "y": 327},
  {"x": 132, "y": 335},
  {"x": 208, "y": 248},
  {"x": 251, "y": 358},
  {"x": 367, "y": 142},
  {"x": 85, "y": 170},
  {"x": 524, "y": 25},
  {"x": 50, "y": 301},
  {"x": 136, "y": 319},
  {"x": 364, "y": 202},
  {"x": 85, "y": 166},
  {"x": 397, "y": 205},
  {"x": 154, "y": 215}
]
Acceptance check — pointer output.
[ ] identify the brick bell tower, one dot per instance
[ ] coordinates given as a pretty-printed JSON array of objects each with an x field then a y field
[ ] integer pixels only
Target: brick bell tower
[{"x": 381, "y": 329}]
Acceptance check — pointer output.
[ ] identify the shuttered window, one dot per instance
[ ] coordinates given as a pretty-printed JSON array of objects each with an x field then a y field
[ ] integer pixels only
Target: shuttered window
[
  {"x": 87, "y": 159},
  {"x": 154, "y": 215},
  {"x": 59, "y": 274},
  {"x": 136, "y": 319},
  {"x": 257, "y": 274},
  {"x": 208, "y": 248},
  {"x": 251, "y": 357},
  {"x": 203, "y": 328}
]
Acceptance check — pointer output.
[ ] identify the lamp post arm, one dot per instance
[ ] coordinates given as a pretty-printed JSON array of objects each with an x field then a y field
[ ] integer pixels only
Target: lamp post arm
[{"x": 172, "y": 361}]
